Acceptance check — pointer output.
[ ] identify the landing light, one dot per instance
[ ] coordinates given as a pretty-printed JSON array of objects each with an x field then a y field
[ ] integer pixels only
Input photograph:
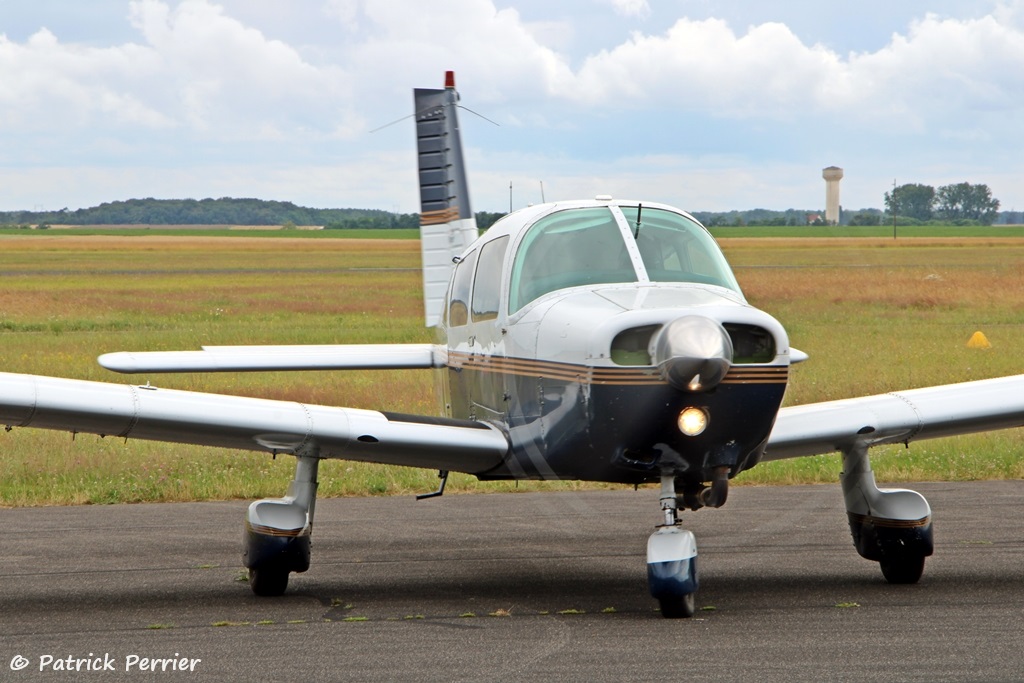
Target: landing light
[{"x": 692, "y": 421}]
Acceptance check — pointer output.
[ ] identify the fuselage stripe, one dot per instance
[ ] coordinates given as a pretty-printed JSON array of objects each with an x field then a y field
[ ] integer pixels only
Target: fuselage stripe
[{"x": 601, "y": 375}]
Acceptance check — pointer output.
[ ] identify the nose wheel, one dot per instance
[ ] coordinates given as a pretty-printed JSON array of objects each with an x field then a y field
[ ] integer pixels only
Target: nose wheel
[
  {"x": 672, "y": 571},
  {"x": 681, "y": 608},
  {"x": 672, "y": 560}
]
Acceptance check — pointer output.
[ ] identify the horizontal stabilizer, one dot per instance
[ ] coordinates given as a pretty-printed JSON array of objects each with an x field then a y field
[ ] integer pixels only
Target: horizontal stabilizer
[
  {"x": 898, "y": 417},
  {"x": 264, "y": 358},
  {"x": 134, "y": 412}
]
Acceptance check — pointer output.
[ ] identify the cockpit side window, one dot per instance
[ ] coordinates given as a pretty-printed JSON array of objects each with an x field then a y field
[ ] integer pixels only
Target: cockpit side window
[
  {"x": 458, "y": 306},
  {"x": 568, "y": 249},
  {"x": 676, "y": 249},
  {"x": 487, "y": 284}
]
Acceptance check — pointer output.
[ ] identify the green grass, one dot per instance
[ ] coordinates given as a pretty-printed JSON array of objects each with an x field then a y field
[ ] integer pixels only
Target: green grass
[
  {"x": 878, "y": 316},
  {"x": 882, "y": 231},
  {"x": 874, "y": 315}
]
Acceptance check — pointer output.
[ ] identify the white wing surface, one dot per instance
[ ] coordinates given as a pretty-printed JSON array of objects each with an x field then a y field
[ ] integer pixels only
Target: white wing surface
[
  {"x": 144, "y": 412},
  {"x": 898, "y": 417},
  {"x": 259, "y": 358}
]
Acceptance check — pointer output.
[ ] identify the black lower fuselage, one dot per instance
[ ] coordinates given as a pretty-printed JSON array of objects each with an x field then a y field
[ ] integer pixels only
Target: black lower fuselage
[{"x": 568, "y": 421}]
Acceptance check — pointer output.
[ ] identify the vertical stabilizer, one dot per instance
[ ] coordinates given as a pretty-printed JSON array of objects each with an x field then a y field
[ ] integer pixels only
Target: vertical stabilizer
[{"x": 447, "y": 225}]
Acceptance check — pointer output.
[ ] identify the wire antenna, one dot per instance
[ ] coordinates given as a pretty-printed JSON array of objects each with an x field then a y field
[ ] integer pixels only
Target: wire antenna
[
  {"x": 478, "y": 114},
  {"x": 417, "y": 113}
]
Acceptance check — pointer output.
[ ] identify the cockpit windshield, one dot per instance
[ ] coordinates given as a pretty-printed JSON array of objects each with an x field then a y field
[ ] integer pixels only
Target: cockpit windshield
[
  {"x": 568, "y": 249},
  {"x": 676, "y": 249},
  {"x": 586, "y": 246}
]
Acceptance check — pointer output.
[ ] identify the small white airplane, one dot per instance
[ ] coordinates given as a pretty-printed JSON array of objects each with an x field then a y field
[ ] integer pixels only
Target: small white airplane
[{"x": 600, "y": 340}]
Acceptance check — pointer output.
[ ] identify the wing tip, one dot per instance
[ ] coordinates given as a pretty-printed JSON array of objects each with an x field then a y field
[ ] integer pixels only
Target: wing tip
[{"x": 120, "y": 361}]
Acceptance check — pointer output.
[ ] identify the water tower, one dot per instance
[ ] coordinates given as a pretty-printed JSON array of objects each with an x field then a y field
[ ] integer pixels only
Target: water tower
[{"x": 832, "y": 176}]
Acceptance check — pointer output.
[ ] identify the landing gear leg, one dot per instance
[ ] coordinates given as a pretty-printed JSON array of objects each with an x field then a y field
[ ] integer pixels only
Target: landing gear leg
[
  {"x": 672, "y": 559},
  {"x": 277, "y": 531},
  {"x": 890, "y": 526}
]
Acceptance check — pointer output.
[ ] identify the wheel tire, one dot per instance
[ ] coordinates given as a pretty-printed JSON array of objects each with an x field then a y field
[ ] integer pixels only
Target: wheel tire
[
  {"x": 268, "y": 582},
  {"x": 677, "y": 608},
  {"x": 903, "y": 569}
]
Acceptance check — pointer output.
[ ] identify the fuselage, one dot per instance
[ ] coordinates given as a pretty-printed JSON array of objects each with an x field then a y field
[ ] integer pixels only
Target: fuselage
[{"x": 586, "y": 329}]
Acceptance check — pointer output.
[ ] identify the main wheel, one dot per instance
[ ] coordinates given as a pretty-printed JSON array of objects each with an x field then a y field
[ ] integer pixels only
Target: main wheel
[
  {"x": 268, "y": 581},
  {"x": 677, "y": 608},
  {"x": 903, "y": 568}
]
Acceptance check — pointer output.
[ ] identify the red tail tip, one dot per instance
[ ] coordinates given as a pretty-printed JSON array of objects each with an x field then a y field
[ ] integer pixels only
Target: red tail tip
[{"x": 449, "y": 80}]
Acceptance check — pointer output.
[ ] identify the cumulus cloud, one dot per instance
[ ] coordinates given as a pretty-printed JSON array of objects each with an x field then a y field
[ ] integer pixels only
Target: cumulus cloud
[
  {"x": 973, "y": 64},
  {"x": 218, "y": 72},
  {"x": 46, "y": 82},
  {"x": 704, "y": 64},
  {"x": 489, "y": 47},
  {"x": 197, "y": 67},
  {"x": 769, "y": 72},
  {"x": 194, "y": 68}
]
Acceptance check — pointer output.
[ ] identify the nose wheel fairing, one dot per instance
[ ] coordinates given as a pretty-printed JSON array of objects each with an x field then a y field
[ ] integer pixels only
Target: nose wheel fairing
[{"x": 672, "y": 571}]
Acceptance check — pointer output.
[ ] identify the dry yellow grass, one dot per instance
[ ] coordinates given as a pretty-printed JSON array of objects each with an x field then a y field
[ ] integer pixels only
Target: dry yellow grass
[
  {"x": 874, "y": 315},
  {"x": 146, "y": 243}
]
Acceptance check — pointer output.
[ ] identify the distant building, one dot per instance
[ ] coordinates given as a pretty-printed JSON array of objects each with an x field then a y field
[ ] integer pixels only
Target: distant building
[{"x": 832, "y": 176}]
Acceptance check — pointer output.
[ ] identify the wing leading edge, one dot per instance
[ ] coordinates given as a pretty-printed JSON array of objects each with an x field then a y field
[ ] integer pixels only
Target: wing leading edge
[
  {"x": 898, "y": 417},
  {"x": 144, "y": 412}
]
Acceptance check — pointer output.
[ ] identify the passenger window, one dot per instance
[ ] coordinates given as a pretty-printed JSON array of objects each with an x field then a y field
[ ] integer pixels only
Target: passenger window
[
  {"x": 458, "y": 307},
  {"x": 487, "y": 285}
]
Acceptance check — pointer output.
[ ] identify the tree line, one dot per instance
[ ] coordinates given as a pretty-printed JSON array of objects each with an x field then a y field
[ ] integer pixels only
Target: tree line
[
  {"x": 959, "y": 203},
  {"x": 912, "y": 204},
  {"x": 223, "y": 211}
]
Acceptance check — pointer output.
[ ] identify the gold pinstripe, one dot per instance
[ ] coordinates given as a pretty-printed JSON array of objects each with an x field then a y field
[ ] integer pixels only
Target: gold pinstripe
[
  {"x": 890, "y": 523},
  {"x": 625, "y": 376},
  {"x": 270, "y": 531}
]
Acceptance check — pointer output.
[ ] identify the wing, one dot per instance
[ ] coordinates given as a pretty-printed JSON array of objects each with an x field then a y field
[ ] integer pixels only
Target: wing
[
  {"x": 898, "y": 417},
  {"x": 255, "y": 358},
  {"x": 145, "y": 412}
]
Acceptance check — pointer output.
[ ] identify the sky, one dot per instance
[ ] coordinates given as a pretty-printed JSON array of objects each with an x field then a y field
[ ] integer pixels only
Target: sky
[{"x": 708, "y": 106}]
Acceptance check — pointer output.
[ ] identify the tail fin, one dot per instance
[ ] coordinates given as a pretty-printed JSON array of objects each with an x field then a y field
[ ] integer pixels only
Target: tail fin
[{"x": 447, "y": 225}]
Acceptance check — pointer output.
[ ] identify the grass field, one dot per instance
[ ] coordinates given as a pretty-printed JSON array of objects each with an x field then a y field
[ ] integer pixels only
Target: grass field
[
  {"x": 874, "y": 314},
  {"x": 882, "y": 231},
  {"x": 216, "y": 231}
]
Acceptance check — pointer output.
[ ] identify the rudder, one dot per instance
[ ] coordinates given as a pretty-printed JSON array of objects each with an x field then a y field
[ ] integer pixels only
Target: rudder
[{"x": 447, "y": 225}]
